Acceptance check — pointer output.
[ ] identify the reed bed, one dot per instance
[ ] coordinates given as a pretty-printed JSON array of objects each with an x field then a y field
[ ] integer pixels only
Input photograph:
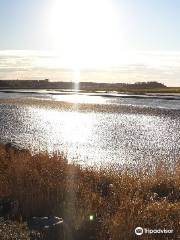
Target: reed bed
[{"x": 106, "y": 203}]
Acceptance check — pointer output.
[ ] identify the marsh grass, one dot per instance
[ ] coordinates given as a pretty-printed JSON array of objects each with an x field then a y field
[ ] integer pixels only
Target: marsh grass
[
  {"x": 13, "y": 231},
  {"x": 118, "y": 201}
]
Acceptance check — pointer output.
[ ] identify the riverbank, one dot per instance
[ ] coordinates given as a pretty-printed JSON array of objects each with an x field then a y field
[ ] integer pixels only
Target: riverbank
[
  {"x": 116, "y": 201},
  {"x": 162, "y": 90}
]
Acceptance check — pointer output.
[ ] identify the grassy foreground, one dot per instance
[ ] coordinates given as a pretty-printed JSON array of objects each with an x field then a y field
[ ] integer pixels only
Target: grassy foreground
[{"x": 119, "y": 202}]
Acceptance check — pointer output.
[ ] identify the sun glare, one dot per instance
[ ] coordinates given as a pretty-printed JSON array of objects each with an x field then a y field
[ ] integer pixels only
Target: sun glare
[{"x": 84, "y": 32}]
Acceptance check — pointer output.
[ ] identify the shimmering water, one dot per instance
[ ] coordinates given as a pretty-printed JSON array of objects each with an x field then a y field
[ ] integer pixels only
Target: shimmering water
[
  {"x": 154, "y": 101},
  {"x": 94, "y": 137}
]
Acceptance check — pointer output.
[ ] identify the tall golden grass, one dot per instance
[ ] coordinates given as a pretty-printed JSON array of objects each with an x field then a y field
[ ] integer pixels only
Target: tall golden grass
[{"x": 118, "y": 201}]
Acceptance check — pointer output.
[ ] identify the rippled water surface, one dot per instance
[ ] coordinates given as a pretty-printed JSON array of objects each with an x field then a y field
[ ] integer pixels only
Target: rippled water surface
[
  {"x": 154, "y": 101},
  {"x": 94, "y": 137}
]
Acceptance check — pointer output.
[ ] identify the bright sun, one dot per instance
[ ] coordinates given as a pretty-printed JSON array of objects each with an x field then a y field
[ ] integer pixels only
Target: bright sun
[{"x": 84, "y": 32}]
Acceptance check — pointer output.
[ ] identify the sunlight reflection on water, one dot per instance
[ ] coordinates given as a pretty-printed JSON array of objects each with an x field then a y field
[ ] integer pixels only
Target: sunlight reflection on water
[
  {"x": 80, "y": 99},
  {"x": 94, "y": 137}
]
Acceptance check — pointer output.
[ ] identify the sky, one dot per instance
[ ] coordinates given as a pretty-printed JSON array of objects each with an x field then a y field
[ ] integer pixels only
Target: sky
[{"x": 103, "y": 40}]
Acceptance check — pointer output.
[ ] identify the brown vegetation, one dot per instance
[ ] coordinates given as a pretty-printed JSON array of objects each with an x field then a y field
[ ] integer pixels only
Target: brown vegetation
[
  {"x": 13, "y": 231},
  {"x": 47, "y": 185}
]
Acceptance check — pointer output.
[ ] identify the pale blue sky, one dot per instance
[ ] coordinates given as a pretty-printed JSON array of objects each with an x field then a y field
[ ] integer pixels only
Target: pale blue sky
[{"x": 151, "y": 26}]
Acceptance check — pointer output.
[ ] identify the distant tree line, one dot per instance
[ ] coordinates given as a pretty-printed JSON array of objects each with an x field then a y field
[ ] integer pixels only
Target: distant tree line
[
  {"x": 154, "y": 84},
  {"x": 88, "y": 86}
]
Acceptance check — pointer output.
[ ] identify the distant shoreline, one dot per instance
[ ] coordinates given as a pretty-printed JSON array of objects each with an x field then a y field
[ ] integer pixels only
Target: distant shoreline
[
  {"x": 160, "y": 91},
  {"x": 166, "y": 96}
]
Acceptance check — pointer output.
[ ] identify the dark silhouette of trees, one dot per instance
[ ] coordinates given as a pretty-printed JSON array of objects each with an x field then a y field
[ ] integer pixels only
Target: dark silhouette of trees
[{"x": 89, "y": 86}]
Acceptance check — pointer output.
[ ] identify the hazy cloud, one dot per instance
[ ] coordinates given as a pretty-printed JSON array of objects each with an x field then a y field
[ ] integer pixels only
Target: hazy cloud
[{"x": 132, "y": 67}]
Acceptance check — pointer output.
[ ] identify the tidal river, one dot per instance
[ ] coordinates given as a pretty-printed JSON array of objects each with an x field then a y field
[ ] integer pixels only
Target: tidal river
[{"x": 94, "y": 129}]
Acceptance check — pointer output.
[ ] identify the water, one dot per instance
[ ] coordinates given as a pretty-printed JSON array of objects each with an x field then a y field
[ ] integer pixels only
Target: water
[
  {"x": 171, "y": 101},
  {"x": 122, "y": 138}
]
